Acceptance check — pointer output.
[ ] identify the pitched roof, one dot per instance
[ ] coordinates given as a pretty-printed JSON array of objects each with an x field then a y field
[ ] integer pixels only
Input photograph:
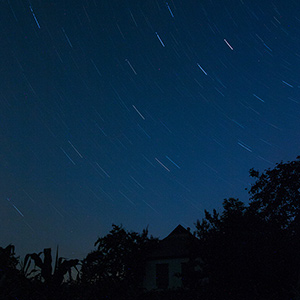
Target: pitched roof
[{"x": 175, "y": 245}]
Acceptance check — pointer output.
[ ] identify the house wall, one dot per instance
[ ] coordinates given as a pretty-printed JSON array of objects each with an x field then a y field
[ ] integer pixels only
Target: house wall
[{"x": 174, "y": 267}]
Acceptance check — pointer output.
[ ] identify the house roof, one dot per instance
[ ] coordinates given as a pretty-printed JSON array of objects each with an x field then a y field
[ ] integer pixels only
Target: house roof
[{"x": 175, "y": 245}]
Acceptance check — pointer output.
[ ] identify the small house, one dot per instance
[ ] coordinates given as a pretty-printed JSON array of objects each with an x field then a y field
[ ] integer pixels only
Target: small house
[{"x": 166, "y": 265}]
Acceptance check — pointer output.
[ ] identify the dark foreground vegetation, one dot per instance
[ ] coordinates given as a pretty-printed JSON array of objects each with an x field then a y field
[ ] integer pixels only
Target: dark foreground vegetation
[{"x": 248, "y": 252}]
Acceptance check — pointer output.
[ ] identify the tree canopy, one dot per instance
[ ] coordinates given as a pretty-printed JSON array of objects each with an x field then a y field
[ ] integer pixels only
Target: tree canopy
[
  {"x": 276, "y": 192},
  {"x": 247, "y": 251},
  {"x": 119, "y": 260},
  {"x": 253, "y": 249}
]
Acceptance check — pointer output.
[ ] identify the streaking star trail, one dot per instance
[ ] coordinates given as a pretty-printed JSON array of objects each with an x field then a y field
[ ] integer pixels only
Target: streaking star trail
[{"x": 139, "y": 113}]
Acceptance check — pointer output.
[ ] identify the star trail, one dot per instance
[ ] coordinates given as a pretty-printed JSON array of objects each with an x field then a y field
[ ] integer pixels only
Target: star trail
[{"x": 139, "y": 113}]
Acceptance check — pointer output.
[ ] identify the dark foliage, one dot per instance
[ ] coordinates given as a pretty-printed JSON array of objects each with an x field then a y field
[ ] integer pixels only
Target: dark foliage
[
  {"x": 116, "y": 267},
  {"x": 247, "y": 252},
  {"x": 276, "y": 193},
  {"x": 253, "y": 251},
  {"x": 244, "y": 255},
  {"x": 44, "y": 272},
  {"x": 8, "y": 273}
]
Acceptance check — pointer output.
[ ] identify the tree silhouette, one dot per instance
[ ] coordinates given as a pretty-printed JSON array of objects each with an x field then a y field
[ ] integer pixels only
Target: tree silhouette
[
  {"x": 276, "y": 193},
  {"x": 275, "y": 197},
  {"x": 247, "y": 251},
  {"x": 117, "y": 266},
  {"x": 254, "y": 250},
  {"x": 9, "y": 275},
  {"x": 245, "y": 255}
]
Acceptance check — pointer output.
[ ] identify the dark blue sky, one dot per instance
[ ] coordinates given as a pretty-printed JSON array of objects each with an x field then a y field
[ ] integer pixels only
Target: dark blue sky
[{"x": 138, "y": 112}]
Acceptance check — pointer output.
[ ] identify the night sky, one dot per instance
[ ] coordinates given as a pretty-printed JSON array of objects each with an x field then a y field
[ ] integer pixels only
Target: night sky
[{"x": 139, "y": 112}]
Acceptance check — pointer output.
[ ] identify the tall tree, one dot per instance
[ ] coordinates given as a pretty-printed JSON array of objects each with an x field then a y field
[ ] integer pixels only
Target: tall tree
[
  {"x": 245, "y": 255},
  {"x": 118, "y": 262},
  {"x": 275, "y": 196},
  {"x": 276, "y": 193}
]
